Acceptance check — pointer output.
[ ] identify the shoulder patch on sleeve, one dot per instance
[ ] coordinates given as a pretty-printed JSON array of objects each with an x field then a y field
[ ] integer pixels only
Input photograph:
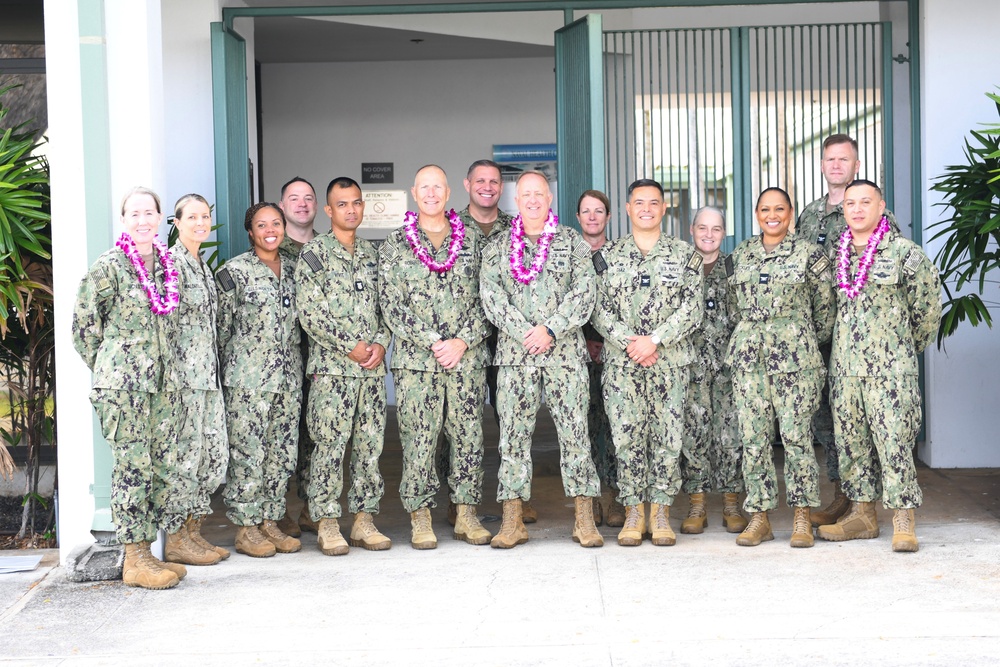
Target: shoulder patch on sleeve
[
  {"x": 730, "y": 269},
  {"x": 599, "y": 264},
  {"x": 582, "y": 249},
  {"x": 820, "y": 266},
  {"x": 695, "y": 262},
  {"x": 102, "y": 280},
  {"x": 225, "y": 279},
  {"x": 387, "y": 252},
  {"x": 312, "y": 260},
  {"x": 912, "y": 261}
]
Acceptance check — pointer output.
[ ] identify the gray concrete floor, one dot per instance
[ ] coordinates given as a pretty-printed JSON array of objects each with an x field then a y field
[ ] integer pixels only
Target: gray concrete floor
[{"x": 703, "y": 601}]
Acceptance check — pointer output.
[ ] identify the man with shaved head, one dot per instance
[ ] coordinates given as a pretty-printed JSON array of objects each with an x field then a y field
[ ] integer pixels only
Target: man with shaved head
[
  {"x": 429, "y": 291},
  {"x": 538, "y": 288}
]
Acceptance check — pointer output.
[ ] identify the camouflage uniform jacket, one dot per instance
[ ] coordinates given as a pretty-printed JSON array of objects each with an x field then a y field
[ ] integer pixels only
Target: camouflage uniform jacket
[
  {"x": 337, "y": 298},
  {"x": 711, "y": 339},
  {"x": 659, "y": 294},
  {"x": 782, "y": 304},
  {"x": 561, "y": 298},
  {"x": 122, "y": 342},
  {"x": 824, "y": 228},
  {"x": 259, "y": 335},
  {"x": 422, "y": 307},
  {"x": 500, "y": 225},
  {"x": 289, "y": 248},
  {"x": 882, "y": 330},
  {"x": 195, "y": 344}
]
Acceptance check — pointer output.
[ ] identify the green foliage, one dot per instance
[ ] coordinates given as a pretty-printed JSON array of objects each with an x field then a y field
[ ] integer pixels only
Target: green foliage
[
  {"x": 27, "y": 348},
  {"x": 972, "y": 234},
  {"x": 25, "y": 244}
]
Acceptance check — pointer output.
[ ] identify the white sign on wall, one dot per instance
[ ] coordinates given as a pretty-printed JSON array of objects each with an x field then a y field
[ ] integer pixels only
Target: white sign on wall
[{"x": 384, "y": 209}]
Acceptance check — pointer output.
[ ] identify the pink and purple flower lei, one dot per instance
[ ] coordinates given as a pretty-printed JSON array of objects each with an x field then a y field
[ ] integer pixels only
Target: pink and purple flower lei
[
  {"x": 160, "y": 305},
  {"x": 852, "y": 289},
  {"x": 517, "y": 245},
  {"x": 423, "y": 254}
]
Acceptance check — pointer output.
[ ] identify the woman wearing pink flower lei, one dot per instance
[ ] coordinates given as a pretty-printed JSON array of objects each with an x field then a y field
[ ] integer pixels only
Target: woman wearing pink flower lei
[{"x": 121, "y": 328}]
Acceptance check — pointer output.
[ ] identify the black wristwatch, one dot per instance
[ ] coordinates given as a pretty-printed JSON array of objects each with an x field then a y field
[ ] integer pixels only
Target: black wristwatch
[{"x": 550, "y": 333}]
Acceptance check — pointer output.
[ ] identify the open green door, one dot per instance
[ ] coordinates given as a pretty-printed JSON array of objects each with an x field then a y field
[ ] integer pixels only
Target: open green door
[
  {"x": 232, "y": 152},
  {"x": 579, "y": 112}
]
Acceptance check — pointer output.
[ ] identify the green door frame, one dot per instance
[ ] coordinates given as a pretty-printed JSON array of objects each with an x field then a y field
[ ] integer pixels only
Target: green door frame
[{"x": 570, "y": 7}]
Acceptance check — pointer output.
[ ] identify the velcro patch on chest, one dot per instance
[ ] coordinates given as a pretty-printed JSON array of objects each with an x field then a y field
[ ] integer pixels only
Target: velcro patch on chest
[
  {"x": 102, "y": 281},
  {"x": 730, "y": 269},
  {"x": 225, "y": 279},
  {"x": 912, "y": 262},
  {"x": 582, "y": 250},
  {"x": 695, "y": 262},
  {"x": 387, "y": 253},
  {"x": 600, "y": 265},
  {"x": 491, "y": 250},
  {"x": 820, "y": 266},
  {"x": 312, "y": 261}
]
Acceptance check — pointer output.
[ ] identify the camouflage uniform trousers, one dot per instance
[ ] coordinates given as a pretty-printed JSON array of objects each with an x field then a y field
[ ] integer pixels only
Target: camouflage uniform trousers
[
  {"x": 263, "y": 432},
  {"x": 601, "y": 448},
  {"x": 345, "y": 409},
  {"x": 428, "y": 404},
  {"x": 648, "y": 430},
  {"x": 519, "y": 395},
  {"x": 306, "y": 446},
  {"x": 712, "y": 457},
  {"x": 202, "y": 438},
  {"x": 822, "y": 424},
  {"x": 876, "y": 421},
  {"x": 138, "y": 426},
  {"x": 793, "y": 397}
]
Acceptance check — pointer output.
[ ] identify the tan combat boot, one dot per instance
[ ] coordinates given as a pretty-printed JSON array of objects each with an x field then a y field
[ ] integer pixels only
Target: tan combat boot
[
  {"x": 330, "y": 541},
  {"x": 528, "y": 513},
  {"x": 512, "y": 530},
  {"x": 802, "y": 531},
  {"x": 757, "y": 531},
  {"x": 837, "y": 508},
  {"x": 616, "y": 514},
  {"x": 364, "y": 534},
  {"x": 251, "y": 542},
  {"x": 284, "y": 544},
  {"x": 193, "y": 525},
  {"x": 732, "y": 517},
  {"x": 422, "y": 536},
  {"x": 858, "y": 524},
  {"x": 904, "y": 531},
  {"x": 306, "y": 524},
  {"x": 697, "y": 518},
  {"x": 289, "y": 526},
  {"x": 176, "y": 568},
  {"x": 659, "y": 526},
  {"x": 584, "y": 531},
  {"x": 467, "y": 526},
  {"x": 180, "y": 548},
  {"x": 598, "y": 512},
  {"x": 634, "y": 527},
  {"x": 143, "y": 571}
]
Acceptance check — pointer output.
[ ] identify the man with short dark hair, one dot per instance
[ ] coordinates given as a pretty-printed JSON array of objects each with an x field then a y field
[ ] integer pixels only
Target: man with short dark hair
[
  {"x": 888, "y": 311},
  {"x": 336, "y": 289},
  {"x": 298, "y": 203},
  {"x": 649, "y": 303},
  {"x": 484, "y": 183}
]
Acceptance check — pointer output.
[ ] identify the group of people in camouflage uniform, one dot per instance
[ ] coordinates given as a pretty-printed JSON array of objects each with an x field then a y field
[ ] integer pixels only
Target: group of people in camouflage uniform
[{"x": 665, "y": 365}]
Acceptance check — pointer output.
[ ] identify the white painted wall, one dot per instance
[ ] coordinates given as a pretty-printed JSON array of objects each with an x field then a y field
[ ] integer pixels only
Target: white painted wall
[
  {"x": 323, "y": 120},
  {"x": 963, "y": 382}
]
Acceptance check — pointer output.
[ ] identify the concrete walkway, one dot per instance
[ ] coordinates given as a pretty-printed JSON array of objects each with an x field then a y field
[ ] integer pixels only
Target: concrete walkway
[{"x": 550, "y": 602}]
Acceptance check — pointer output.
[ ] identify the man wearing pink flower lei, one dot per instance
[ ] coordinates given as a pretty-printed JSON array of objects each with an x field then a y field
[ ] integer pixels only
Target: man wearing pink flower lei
[
  {"x": 538, "y": 287},
  {"x": 888, "y": 311},
  {"x": 429, "y": 291}
]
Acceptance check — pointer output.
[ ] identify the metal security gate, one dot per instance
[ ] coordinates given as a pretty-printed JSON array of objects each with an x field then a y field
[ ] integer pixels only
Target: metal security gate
[{"x": 716, "y": 115}]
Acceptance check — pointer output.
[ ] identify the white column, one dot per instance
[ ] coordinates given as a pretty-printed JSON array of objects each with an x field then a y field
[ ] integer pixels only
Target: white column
[{"x": 962, "y": 381}]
